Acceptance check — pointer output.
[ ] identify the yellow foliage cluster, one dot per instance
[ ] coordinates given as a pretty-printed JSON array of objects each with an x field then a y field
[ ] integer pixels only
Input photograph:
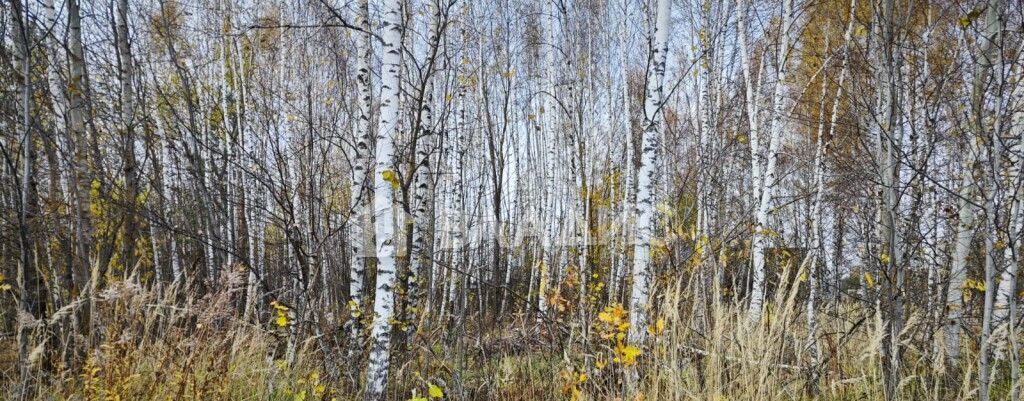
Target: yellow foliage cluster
[
  {"x": 354, "y": 309},
  {"x": 391, "y": 177},
  {"x": 972, "y": 284},
  {"x": 657, "y": 328},
  {"x": 626, "y": 354},
  {"x": 309, "y": 387},
  {"x": 433, "y": 392},
  {"x": 571, "y": 382},
  {"x": 281, "y": 311},
  {"x": 869, "y": 280},
  {"x": 91, "y": 379},
  {"x": 613, "y": 324}
]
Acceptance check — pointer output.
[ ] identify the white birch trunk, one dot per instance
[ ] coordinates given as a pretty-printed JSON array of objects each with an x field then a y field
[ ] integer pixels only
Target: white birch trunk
[
  {"x": 958, "y": 270},
  {"x": 626, "y": 126},
  {"x": 817, "y": 251},
  {"x": 385, "y": 181},
  {"x": 359, "y": 219},
  {"x": 1005, "y": 297},
  {"x": 419, "y": 260},
  {"x": 550, "y": 121},
  {"x": 989, "y": 55},
  {"x": 759, "y": 242},
  {"x": 646, "y": 177},
  {"x": 457, "y": 210},
  {"x": 829, "y": 223},
  {"x": 752, "y": 110}
]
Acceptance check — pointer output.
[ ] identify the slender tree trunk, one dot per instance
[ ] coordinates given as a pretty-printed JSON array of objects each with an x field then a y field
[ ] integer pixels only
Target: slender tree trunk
[
  {"x": 639, "y": 306},
  {"x": 78, "y": 108},
  {"x": 752, "y": 112},
  {"x": 1016, "y": 227},
  {"x": 958, "y": 270},
  {"x": 421, "y": 261},
  {"x": 385, "y": 184},
  {"x": 759, "y": 242},
  {"x": 361, "y": 196},
  {"x": 623, "y": 264},
  {"x": 817, "y": 251},
  {"x": 989, "y": 55},
  {"x": 550, "y": 120},
  {"x": 131, "y": 195},
  {"x": 27, "y": 279}
]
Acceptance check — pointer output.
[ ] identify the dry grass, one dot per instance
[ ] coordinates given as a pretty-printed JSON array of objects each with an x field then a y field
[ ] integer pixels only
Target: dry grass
[{"x": 177, "y": 347}]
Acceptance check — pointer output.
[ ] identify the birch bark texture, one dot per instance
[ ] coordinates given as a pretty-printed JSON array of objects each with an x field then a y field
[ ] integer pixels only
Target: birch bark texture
[
  {"x": 385, "y": 182},
  {"x": 654, "y": 100},
  {"x": 988, "y": 55},
  {"x": 360, "y": 191}
]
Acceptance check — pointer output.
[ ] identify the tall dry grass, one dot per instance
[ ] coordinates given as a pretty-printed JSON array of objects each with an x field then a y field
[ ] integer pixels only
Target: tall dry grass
[{"x": 172, "y": 345}]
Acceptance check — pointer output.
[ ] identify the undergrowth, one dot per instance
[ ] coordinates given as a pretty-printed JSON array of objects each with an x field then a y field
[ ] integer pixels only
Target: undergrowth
[{"x": 170, "y": 346}]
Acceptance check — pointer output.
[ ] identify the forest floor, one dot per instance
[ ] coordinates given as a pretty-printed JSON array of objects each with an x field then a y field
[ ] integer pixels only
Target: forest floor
[{"x": 197, "y": 350}]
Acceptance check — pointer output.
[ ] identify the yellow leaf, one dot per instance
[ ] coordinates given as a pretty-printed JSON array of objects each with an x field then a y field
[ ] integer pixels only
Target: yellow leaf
[
  {"x": 434, "y": 391},
  {"x": 282, "y": 320},
  {"x": 627, "y": 354},
  {"x": 657, "y": 328},
  {"x": 871, "y": 281},
  {"x": 390, "y": 176},
  {"x": 966, "y": 20}
]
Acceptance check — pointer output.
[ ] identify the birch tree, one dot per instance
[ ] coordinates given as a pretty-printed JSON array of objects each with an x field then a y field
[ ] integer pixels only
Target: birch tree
[
  {"x": 887, "y": 140},
  {"x": 385, "y": 183},
  {"x": 361, "y": 196},
  {"x": 654, "y": 98},
  {"x": 989, "y": 56},
  {"x": 27, "y": 280}
]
